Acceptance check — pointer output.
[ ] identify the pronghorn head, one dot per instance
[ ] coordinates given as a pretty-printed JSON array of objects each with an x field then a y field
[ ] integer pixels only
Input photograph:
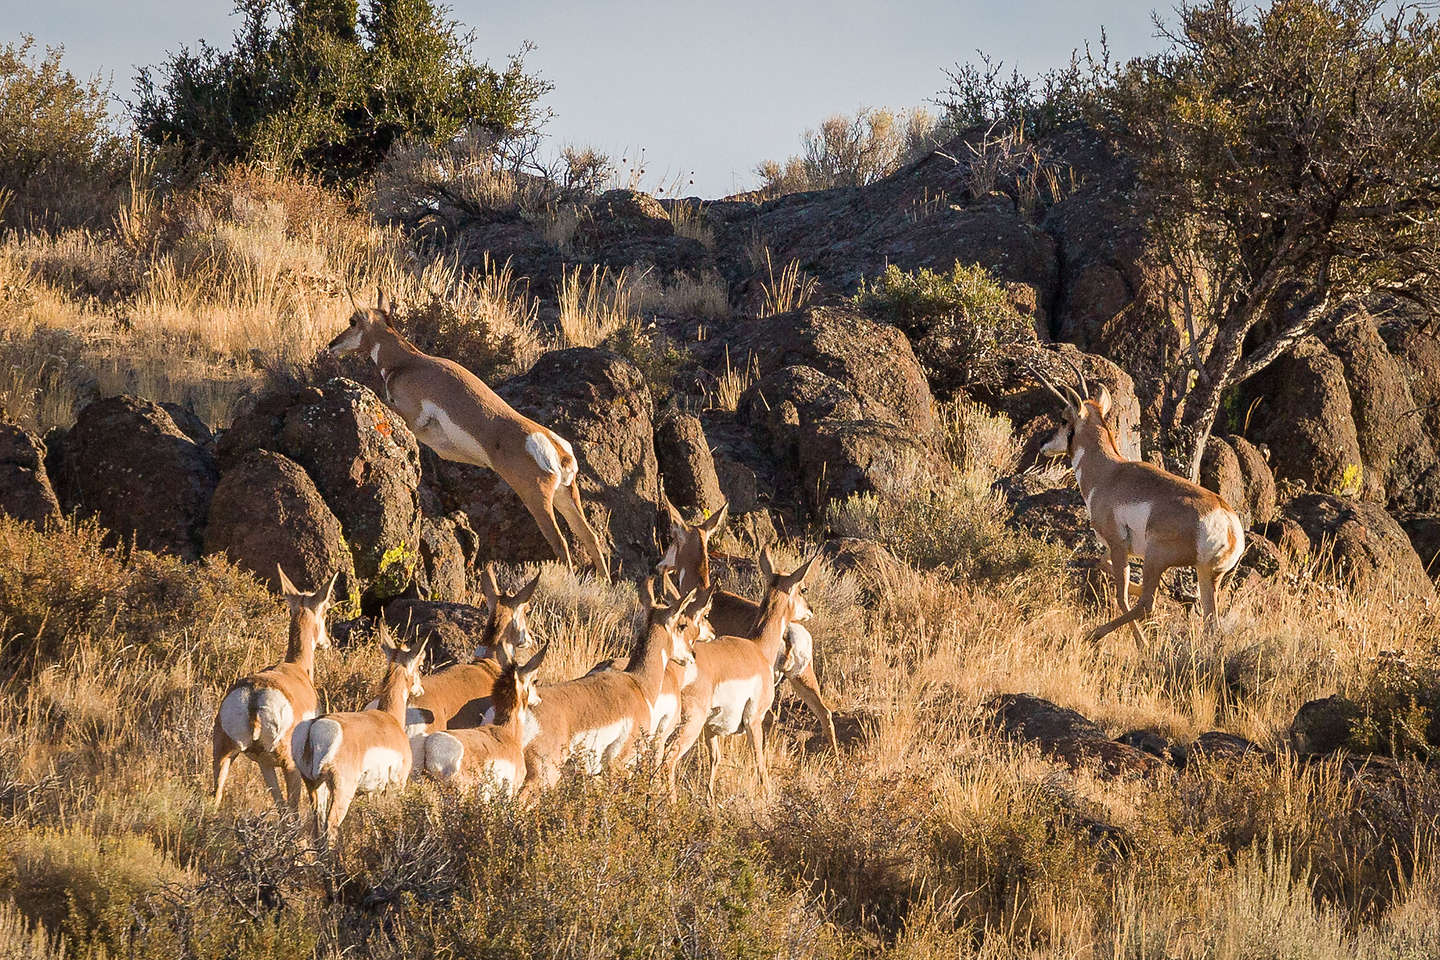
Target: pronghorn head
[
  {"x": 366, "y": 323},
  {"x": 408, "y": 659},
  {"x": 515, "y": 688},
  {"x": 668, "y": 612},
  {"x": 1083, "y": 419},
  {"x": 506, "y": 624},
  {"x": 688, "y": 558},
  {"x": 309, "y": 609},
  {"x": 790, "y": 586}
]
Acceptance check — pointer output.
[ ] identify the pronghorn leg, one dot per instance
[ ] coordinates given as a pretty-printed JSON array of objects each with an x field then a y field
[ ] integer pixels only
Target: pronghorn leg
[
  {"x": 267, "y": 770},
  {"x": 538, "y": 495},
  {"x": 692, "y": 724},
  {"x": 1120, "y": 573},
  {"x": 807, "y": 686},
  {"x": 713, "y": 747},
  {"x": 294, "y": 788},
  {"x": 567, "y": 501},
  {"x": 1150, "y": 582},
  {"x": 223, "y": 755},
  {"x": 339, "y": 806},
  {"x": 1208, "y": 580},
  {"x": 757, "y": 743}
]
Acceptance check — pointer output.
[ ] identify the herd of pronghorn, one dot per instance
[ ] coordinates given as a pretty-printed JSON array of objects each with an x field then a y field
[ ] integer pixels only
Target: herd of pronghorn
[{"x": 706, "y": 662}]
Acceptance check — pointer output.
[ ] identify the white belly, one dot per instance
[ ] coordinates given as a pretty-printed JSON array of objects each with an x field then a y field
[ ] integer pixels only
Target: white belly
[
  {"x": 733, "y": 705},
  {"x": 1131, "y": 519},
  {"x": 381, "y": 767},
  {"x": 437, "y": 429},
  {"x": 597, "y": 747}
]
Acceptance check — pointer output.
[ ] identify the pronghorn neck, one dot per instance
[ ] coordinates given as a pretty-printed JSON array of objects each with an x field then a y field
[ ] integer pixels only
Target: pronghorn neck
[
  {"x": 771, "y": 621},
  {"x": 389, "y": 350},
  {"x": 304, "y": 629},
  {"x": 509, "y": 710},
  {"x": 647, "y": 663},
  {"x": 395, "y": 693},
  {"x": 1093, "y": 456}
]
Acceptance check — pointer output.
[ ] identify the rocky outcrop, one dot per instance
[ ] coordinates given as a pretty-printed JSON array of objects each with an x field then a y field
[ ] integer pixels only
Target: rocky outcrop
[
  {"x": 1423, "y": 529},
  {"x": 452, "y": 629},
  {"x": 1304, "y": 415},
  {"x": 267, "y": 511},
  {"x": 25, "y": 490},
  {"x": 602, "y": 405},
  {"x": 1066, "y": 736},
  {"x": 127, "y": 462},
  {"x": 1324, "y": 725},
  {"x": 1257, "y": 480},
  {"x": 1365, "y": 543},
  {"x": 447, "y": 550},
  {"x": 839, "y": 459},
  {"x": 685, "y": 463}
]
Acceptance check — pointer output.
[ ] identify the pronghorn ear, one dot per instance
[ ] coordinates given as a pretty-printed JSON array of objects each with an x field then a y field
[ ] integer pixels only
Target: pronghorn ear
[
  {"x": 382, "y": 303},
  {"x": 715, "y": 520},
  {"x": 677, "y": 610},
  {"x": 668, "y": 590},
  {"x": 488, "y": 585},
  {"x": 1103, "y": 400},
  {"x": 767, "y": 567},
  {"x": 286, "y": 587},
  {"x": 678, "y": 526},
  {"x": 526, "y": 592},
  {"x": 647, "y": 593},
  {"x": 534, "y": 662},
  {"x": 799, "y": 575}
]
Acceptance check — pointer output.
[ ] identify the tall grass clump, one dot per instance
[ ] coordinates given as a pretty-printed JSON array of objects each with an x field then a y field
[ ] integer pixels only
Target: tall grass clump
[
  {"x": 594, "y": 305},
  {"x": 853, "y": 151}
]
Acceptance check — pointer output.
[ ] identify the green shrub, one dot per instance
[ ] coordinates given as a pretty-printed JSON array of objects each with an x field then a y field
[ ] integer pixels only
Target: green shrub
[
  {"x": 62, "y": 162},
  {"x": 963, "y": 324},
  {"x": 310, "y": 85},
  {"x": 1400, "y": 698}
]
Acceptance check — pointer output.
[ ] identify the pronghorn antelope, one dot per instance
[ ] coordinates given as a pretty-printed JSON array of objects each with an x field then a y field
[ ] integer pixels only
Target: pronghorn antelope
[
  {"x": 258, "y": 713},
  {"x": 340, "y": 754},
  {"x": 600, "y": 718},
  {"x": 735, "y": 679},
  {"x": 679, "y": 674},
  {"x": 492, "y": 756},
  {"x": 454, "y": 413},
  {"x": 734, "y": 615},
  {"x": 459, "y": 695},
  {"x": 1140, "y": 510}
]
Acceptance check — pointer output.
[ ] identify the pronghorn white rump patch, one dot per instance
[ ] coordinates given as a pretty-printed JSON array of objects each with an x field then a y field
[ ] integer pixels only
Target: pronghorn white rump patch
[
  {"x": 799, "y": 650},
  {"x": 381, "y": 767},
  {"x": 732, "y": 705},
  {"x": 543, "y": 452},
  {"x": 235, "y": 716},
  {"x": 275, "y": 714},
  {"x": 599, "y": 746},
  {"x": 1213, "y": 540},
  {"x": 443, "y": 755},
  {"x": 567, "y": 476},
  {"x": 314, "y": 744},
  {"x": 1130, "y": 522}
]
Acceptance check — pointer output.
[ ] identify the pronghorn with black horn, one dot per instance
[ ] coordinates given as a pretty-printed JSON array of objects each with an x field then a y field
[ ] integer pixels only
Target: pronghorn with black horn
[
  {"x": 454, "y": 413},
  {"x": 492, "y": 756},
  {"x": 459, "y": 696},
  {"x": 258, "y": 712},
  {"x": 1140, "y": 510},
  {"x": 733, "y": 615},
  {"x": 341, "y": 754},
  {"x": 735, "y": 678},
  {"x": 601, "y": 718}
]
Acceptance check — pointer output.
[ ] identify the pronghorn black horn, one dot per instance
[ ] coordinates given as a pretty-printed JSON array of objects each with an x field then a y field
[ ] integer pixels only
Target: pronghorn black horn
[
  {"x": 1079, "y": 375},
  {"x": 1069, "y": 401}
]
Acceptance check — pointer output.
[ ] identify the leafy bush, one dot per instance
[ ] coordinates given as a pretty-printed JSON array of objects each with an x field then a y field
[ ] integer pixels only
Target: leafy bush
[
  {"x": 982, "y": 95},
  {"x": 1400, "y": 697},
  {"x": 852, "y": 151},
  {"x": 61, "y": 161},
  {"x": 309, "y": 85},
  {"x": 963, "y": 324}
]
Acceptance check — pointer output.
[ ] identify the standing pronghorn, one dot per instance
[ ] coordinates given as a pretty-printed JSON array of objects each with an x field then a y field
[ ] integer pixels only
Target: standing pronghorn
[
  {"x": 1140, "y": 510},
  {"x": 454, "y": 413},
  {"x": 734, "y": 615},
  {"x": 491, "y": 756},
  {"x": 601, "y": 718},
  {"x": 258, "y": 712},
  {"x": 735, "y": 678},
  {"x": 695, "y": 627},
  {"x": 459, "y": 695},
  {"x": 340, "y": 754}
]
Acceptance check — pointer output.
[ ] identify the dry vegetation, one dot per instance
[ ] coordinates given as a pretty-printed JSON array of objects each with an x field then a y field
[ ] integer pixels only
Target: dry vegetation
[{"x": 930, "y": 836}]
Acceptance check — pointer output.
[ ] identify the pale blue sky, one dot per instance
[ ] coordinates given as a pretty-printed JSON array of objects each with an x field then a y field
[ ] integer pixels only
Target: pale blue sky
[{"x": 712, "y": 87}]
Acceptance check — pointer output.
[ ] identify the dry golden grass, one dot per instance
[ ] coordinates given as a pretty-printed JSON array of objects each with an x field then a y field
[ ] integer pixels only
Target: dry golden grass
[
  {"x": 791, "y": 290},
  {"x": 594, "y": 305}
]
